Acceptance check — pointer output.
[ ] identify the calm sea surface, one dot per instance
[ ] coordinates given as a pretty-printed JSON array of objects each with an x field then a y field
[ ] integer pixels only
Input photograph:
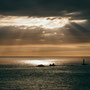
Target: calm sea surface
[{"x": 22, "y": 73}]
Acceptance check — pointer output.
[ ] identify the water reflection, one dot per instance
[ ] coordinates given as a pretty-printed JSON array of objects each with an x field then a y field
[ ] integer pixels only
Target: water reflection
[
  {"x": 43, "y": 60},
  {"x": 38, "y": 62}
]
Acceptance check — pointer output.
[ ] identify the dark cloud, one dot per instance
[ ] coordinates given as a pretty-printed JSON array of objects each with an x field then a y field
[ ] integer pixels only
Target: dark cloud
[{"x": 44, "y": 7}]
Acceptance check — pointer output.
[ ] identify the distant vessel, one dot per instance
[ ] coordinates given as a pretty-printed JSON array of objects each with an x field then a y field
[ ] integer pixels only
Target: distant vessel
[
  {"x": 52, "y": 64},
  {"x": 84, "y": 63}
]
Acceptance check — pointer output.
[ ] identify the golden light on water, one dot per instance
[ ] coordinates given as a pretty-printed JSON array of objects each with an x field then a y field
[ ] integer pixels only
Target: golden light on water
[{"x": 38, "y": 62}]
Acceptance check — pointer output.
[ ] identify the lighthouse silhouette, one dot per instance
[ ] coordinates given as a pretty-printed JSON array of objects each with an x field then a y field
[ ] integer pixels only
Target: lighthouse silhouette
[{"x": 84, "y": 62}]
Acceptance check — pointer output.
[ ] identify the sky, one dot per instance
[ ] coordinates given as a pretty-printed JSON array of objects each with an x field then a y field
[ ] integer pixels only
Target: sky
[{"x": 44, "y": 27}]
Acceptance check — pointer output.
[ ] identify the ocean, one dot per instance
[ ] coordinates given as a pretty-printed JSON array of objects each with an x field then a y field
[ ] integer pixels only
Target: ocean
[{"x": 22, "y": 73}]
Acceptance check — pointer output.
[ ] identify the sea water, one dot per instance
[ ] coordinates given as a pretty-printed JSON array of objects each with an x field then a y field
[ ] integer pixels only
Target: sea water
[{"x": 68, "y": 74}]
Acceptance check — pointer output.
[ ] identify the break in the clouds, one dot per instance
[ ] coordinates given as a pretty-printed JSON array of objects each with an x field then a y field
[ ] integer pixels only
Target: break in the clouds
[{"x": 34, "y": 22}]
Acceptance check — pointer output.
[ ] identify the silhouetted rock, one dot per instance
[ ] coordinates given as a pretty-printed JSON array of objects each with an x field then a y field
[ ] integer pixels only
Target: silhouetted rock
[
  {"x": 52, "y": 64},
  {"x": 40, "y": 65}
]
